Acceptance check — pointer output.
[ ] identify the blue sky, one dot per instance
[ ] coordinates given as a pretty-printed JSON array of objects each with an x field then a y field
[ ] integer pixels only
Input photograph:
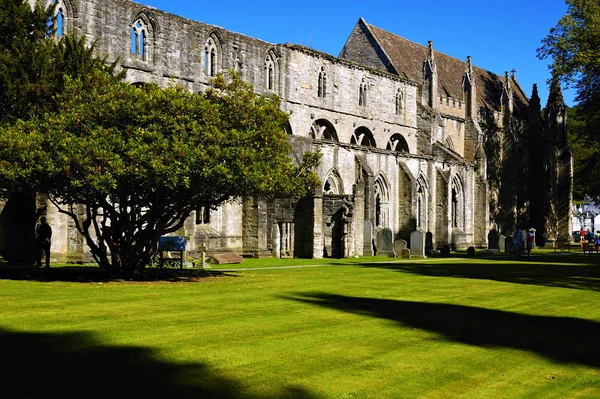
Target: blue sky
[{"x": 500, "y": 35}]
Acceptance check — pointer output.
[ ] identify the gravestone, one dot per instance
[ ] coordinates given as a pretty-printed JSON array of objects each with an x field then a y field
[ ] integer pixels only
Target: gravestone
[
  {"x": 385, "y": 242},
  {"x": 429, "y": 243},
  {"x": 508, "y": 244},
  {"x": 493, "y": 240},
  {"x": 400, "y": 245},
  {"x": 445, "y": 252},
  {"x": 225, "y": 258},
  {"x": 502, "y": 243},
  {"x": 471, "y": 251},
  {"x": 368, "y": 239},
  {"x": 405, "y": 253},
  {"x": 417, "y": 243}
]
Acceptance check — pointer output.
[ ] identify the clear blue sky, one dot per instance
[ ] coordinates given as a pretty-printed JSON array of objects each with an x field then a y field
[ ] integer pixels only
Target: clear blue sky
[{"x": 500, "y": 35}]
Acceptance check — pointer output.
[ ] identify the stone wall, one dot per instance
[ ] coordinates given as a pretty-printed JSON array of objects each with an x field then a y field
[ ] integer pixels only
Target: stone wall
[{"x": 377, "y": 151}]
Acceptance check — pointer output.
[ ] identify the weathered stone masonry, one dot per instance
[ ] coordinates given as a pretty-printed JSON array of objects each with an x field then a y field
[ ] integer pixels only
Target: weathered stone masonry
[{"x": 411, "y": 138}]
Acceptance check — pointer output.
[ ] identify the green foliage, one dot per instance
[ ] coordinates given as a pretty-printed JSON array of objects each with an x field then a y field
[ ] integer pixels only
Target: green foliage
[
  {"x": 33, "y": 63},
  {"x": 140, "y": 159},
  {"x": 573, "y": 47},
  {"x": 585, "y": 151}
]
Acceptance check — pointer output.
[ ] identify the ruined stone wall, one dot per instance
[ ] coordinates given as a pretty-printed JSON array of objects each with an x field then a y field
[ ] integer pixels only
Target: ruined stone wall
[{"x": 333, "y": 121}]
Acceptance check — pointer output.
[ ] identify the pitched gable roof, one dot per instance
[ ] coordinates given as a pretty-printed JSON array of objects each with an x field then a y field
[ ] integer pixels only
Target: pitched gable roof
[{"x": 407, "y": 59}]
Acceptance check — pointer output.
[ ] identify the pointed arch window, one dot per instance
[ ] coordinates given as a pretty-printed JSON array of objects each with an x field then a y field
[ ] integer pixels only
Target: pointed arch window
[
  {"x": 269, "y": 73},
  {"x": 362, "y": 94},
  {"x": 399, "y": 102},
  {"x": 58, "y": 24},
  {"x": 457, "y": 210},
  {"x": 139, "y": 37},
  {"x": 333, "y": 185},
  {"x": 322, "y": 84},
  {"x": 211, "y": 53},
  {"x": 381, "y": 203},
  {"x": 422, "y": 204}
]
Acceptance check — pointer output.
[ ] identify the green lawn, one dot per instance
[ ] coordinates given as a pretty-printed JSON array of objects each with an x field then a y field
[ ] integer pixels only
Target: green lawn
[{"x": 437, "y": 328}]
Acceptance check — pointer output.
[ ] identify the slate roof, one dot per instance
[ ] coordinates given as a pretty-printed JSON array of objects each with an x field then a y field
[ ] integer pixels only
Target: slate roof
[{"x": 407, "y": 58}]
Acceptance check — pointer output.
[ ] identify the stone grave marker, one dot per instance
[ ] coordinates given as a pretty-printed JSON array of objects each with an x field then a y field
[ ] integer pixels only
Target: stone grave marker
[
  {"x": 502, "y": 243},
  {"x": 493, "y": 240},
  {"x": 429, "y": 243},
  {"x": 385, "y": 242},
  {"x": 400, "y": 245},
  {"x": 225, "y": 258},
  {"x": 368, "y": 239},
  {"x": 417, "y": 243},
  {"x": 405, "y": 253},
  {"x": 445, "y": 252}
]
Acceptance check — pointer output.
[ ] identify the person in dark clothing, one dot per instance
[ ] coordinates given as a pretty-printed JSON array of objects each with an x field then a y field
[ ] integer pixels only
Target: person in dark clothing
[{"x": 43, "y": 235}]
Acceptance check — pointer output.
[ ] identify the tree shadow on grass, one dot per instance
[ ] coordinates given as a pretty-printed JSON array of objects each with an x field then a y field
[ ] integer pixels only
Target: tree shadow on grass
[
  {"x": 93, "y": 274},
  {"x": 561, "y": 339},
  {"x": 75, "y": 365},
  {"x": 576, "y": 276}
]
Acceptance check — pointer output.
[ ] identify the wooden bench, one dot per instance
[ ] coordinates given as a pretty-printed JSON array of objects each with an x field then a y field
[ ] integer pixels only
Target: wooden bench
[
  {"x": 589, "y": 247},
  {"x": 169, "y": 246},
  {"x": 562, "y": 246}
]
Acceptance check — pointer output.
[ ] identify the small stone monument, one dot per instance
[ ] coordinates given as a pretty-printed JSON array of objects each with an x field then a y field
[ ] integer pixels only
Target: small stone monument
[
  {"x": 445, "y": 252},
  {"x": 471, "y": 251},
  {"x": 429, "y": 243},
  {"x": 417, "y": 243},
  {"x": 502, "y": 243},
  {"x": 400, "y": 245},
  {"x": 405, "y": 253},
  {"x": 493, "y": 240},
  {"x": 385, "y": 242},
  {"x": 368, "y": 239}
]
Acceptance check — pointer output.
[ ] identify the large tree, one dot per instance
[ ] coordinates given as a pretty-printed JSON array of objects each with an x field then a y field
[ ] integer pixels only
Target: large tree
[
  {"x": 139, "y": 160},
  {"x": 573, "y": 47},
  {"x": 34, "y": 61}
]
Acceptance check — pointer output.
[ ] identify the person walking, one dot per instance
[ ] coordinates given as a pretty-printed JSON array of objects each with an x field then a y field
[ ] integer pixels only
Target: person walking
[
  {"x": 43, "y": 236},
  {"x": 529, "y": 242}
]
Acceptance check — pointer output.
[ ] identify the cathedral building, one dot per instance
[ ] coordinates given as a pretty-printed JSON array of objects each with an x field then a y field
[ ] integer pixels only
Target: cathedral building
[{"x": 412, "y": 139}]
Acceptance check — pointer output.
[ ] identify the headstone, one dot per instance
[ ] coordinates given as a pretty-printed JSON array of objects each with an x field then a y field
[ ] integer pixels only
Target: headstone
[
  {"x": 417, "y": 243},
  {"x": 368, "y": 239},
  {"x": 400, "y": 245},
  {"x": 445, "y": 252},
  {"x": 385, "y": 242},
  {"x": 493, "y": 240},
  {"x": 502, "y": 243},
  {"x": 471, "y": 251},
  {"x": 508, "y": 244},
  {"x": 405, "y": 253},
  {"x": 225, "y": 258},
  {"x": 429, "y": 243}
]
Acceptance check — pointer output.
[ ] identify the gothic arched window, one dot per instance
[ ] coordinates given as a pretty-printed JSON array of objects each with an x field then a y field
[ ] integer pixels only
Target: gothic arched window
[
  {"x": 399, "y": 102},
  {"x": 139, "y": 35},
  {"x": 362, "y": 94},
  {"x": 269, "y": 73},
  {"x": 322, "y": 85},
  {"x": 211, "y": 53}
]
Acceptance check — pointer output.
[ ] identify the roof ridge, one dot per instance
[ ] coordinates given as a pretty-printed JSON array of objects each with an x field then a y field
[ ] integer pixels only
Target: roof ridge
[{"x": 436, "y": 51}]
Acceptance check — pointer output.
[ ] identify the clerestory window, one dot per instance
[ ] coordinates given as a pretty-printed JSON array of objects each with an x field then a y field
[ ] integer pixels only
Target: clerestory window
[
  {"x": 362, "y": 94},
  {"x": 210, "y": 57},
  {"x": 139, "y": 35},
  {"x": 322, "y": 84}
]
